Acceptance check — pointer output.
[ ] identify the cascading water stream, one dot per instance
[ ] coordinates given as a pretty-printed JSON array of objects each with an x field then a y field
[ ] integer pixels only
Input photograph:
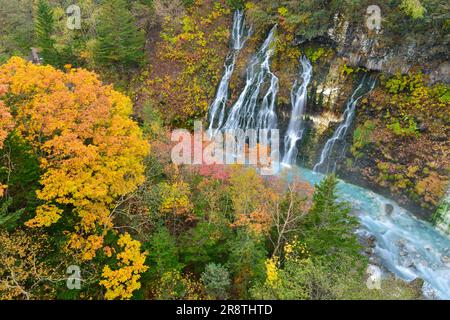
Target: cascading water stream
[
  {"x": 295, "y": 129},
  {"x": 243, "y": 114},
  {"x": 341, "y": 130},
  {"x": 239, "y": 35}
]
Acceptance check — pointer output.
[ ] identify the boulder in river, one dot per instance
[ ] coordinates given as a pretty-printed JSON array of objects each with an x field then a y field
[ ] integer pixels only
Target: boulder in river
[
  {"x": 388, "y": 208},
  {"x": 371, "y": 241}
]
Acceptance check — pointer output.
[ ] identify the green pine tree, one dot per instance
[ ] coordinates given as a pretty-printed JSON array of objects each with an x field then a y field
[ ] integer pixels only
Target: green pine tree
[
  {"x": 216, "y": 279},
  {"x": 328, "y": 229},
  {"x": 119, "y": 42},
  {"x": 44, "y": 27}
]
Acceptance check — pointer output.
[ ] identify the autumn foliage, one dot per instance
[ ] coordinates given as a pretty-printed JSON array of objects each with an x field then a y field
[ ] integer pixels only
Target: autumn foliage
[
  {"x": 86, "y": 212},
  {"x": 6, "y": 124},
  {"x": 188, "y": 63},
  {"x": 89, "y": 149},
  {"x": 121, "y": 282}
]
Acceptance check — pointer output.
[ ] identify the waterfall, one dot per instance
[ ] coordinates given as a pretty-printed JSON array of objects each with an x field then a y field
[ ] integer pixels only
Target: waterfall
[
  {"x": 341, "y": 130},
  {"x": 239, "y": 35},
  {"x": 295, "y": 129},
  {"x": 243, "y": 113}
]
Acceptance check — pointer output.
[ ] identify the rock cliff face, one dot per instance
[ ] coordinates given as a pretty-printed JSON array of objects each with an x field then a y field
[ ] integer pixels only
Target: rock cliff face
[
  {"x": 388, "y": 53},
  {"x": 409, "y": 169}
]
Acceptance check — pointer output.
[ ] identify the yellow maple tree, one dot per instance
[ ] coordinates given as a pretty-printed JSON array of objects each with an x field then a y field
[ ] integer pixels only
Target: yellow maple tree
[
  {"x": 90, "y": 151},
  {"x": 6, "y": 124},
  {"x": 121, "y": 283}
]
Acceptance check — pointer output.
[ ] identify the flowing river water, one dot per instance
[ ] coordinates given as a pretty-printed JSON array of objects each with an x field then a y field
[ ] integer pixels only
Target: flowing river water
[{"x": 406, "y": 246}]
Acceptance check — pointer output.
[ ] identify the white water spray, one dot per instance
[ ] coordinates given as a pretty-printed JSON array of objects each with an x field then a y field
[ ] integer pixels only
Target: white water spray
[{"x": 243, "y": 114}]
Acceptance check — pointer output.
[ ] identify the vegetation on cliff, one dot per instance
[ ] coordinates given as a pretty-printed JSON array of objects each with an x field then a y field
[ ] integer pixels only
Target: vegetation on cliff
[{"x": 401, "y": 139}]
